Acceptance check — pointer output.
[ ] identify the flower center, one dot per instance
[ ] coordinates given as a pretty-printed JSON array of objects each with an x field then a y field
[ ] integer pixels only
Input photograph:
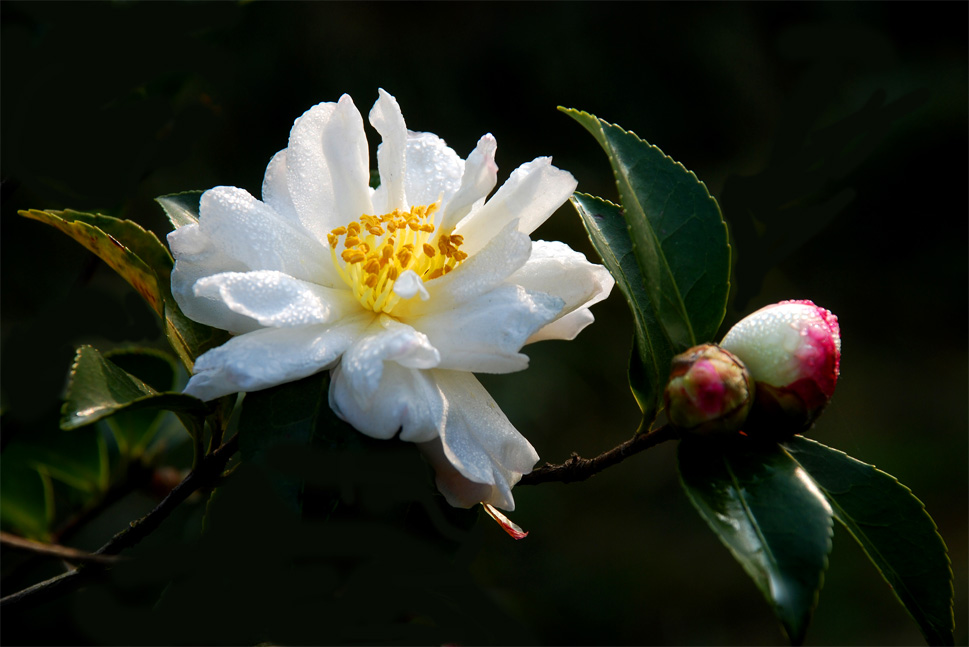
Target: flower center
[{"x": 379, "y": 249}]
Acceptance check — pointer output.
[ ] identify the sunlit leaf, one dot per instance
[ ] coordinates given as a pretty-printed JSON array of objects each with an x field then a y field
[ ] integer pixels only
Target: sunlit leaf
[
  {"x": 769, "y": 514},
  {"x": 181, "y": 208},
  {"x": 124, "y": 245},
  {"x": 677, "y": 234},
  {"x": 892, "y": 527}
]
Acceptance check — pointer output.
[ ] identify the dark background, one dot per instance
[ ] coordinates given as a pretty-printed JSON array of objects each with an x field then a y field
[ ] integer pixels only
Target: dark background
[{"x": 845, "y": 121}]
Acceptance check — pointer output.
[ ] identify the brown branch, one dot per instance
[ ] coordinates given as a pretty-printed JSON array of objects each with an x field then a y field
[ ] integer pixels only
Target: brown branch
[
  {"x": 577, "y": 468},
  {"x": 208, "y": 472},
  {"x": 52, "y": 550}
]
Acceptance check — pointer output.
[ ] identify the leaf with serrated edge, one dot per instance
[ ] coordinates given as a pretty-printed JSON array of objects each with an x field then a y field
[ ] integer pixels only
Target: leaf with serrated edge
[
  {"x": 892, "y": 527},
  {"x": 181, "y": 208},
  {"x": 607, "y": 230},
  {"x": 678, "y": 234},
  {"x": 769, "y": 514},
  {"x": 108, "y": 248},
  {"x": 98, "y": 388},
  {"x": 142, "y": 260}
]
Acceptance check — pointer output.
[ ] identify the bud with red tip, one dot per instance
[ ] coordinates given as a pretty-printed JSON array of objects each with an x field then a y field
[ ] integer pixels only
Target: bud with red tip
[
  {"x": 709, "y": 392},
  {"x": 793, "y": 351}
]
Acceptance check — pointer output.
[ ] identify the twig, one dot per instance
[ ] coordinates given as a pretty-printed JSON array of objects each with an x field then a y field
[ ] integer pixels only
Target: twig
[
  {"x": 53, "y": 550},
  {"x": 208, "y": 471},
  {"x": 577, "y": 468}
]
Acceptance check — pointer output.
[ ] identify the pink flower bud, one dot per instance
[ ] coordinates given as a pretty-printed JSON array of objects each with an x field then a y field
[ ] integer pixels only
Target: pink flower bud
[
  {"x": 709, "y": 392},
  {"x": 793, "y": 351}
]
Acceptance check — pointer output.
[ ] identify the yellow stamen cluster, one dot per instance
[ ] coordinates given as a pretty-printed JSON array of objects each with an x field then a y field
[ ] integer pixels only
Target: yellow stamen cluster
[{"x": 378, "y": 249}]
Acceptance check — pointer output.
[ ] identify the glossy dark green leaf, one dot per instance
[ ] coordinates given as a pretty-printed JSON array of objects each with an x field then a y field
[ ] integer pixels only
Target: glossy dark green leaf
[
  {"x": 135, "y": 429},
  {"x": 892, "y": 527},
  {"x": 99, "y": 388},
  {"x": 649, "y": 367},
  {"x": 26, "y": 500},
  {"x": 678, "y": 236},
  {"x": 181, "y": 208},
  {"x": 769, "y": 514}
]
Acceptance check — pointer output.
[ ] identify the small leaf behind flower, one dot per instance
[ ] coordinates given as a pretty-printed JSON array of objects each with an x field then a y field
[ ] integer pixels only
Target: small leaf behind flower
[
  {"x": 892, "y": 527},
  {"x": 650, "y": 362},
  {"x": 181, "y": 208},
  {"x": 769, "y": 514},
  {"x": 99, "y": 388},
  {"x": 678, "y": 236}
]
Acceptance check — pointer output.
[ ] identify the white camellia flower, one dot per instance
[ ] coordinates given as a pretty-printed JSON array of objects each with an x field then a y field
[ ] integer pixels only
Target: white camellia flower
[{"x": 401, "y": 292}]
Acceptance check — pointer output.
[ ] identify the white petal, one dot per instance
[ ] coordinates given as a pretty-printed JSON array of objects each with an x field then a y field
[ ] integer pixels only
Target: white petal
[
  {"x": 557, "y": 269},
  {"x": 275, "y": 299},
  {"x": 475, "y": 276},
  {"x": 407, "y": 400},
  {"x": 485, "y": 335},
  {"x": 197, "y": 258},
  {"x": 480, "y": 443},
  {"x": 408, "y": 285},
  {"x": 567, "y": 327},
  {"x": 385, "y": 340},
  {"x": 328, "y": 167},
  {"x": 250, "y": 231},
  {"x": 480, "y": 177},
  {"x": 532, "y": 193},
  {"x": 433, "y": 170},
  {"x": 389, "y": 122},
  {"x": 271, "y": 356},
  {"x": 275, "y": 188}
]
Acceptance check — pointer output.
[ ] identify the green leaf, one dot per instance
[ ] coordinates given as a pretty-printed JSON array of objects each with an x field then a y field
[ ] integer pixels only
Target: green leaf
[
  {"x": 26, "y": 500},
  {"x": 135, "y": 429},
  {"x": 99, "y": 388},
  {"x": 142, "y": 260},
  {"x": 131, "y": 251},
  {"x": 678, "y": 236},
  {"x": 892, "y": 527},
  {"x": 649, "y": 367},
  {"x": 771, "y": 517},
  {"x": 79, "y": 459},
  {"x": 181, "y": 208}
]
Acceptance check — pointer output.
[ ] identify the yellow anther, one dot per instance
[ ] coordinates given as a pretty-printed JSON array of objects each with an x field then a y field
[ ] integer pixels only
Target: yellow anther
[
  {"x": 429, "y": 250},
  {"x": 391, "y": 227},
  {"x": 351, "y": 241},
  {"x": 459, "y": 255},
  {"x": 370, "y": 281},
  {"x": 393, "y": 273},
  {"x": 372, "y": 266},
  {"x": 386, "y": 252},
  {"x": 376, "y": 230},
  {"x": 352, "y": 256},
  {"x": 339, "y": 231},
  {"x": 414, "y": 225},
  {"x": 404, "y": 256},
  {"x": 428, "y": 228},
  {"x": 333, "y": 240},
  {"x": 434, "y": 274},
  {"x": 353, "y": 228},
  {"x": 457, "y": 240},
  {"x": 447, "y": 268}
]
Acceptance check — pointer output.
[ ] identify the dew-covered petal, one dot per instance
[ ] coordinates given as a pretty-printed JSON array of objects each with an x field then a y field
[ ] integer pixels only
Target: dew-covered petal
[
  {"x": 387, "y": 119},
  {"x": 275, "y": 189},
  {"x": 485, "y": 335},
  {"x": 557, "y": 269},
  {"x": 386, "y": 340},
  {"x": 477, "y": 275},
  {"x": 532, "y": 193},
  {"x": 275, "y": 299},
  {"x": 406, "y": 399},
  {"x": 480, "y": 443},
  {"x": 480, "y": 177},
  {"x": 433, "y": 170},
  {"x": 328, "y": 167},
  {"x": 271, "y": 356}
]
